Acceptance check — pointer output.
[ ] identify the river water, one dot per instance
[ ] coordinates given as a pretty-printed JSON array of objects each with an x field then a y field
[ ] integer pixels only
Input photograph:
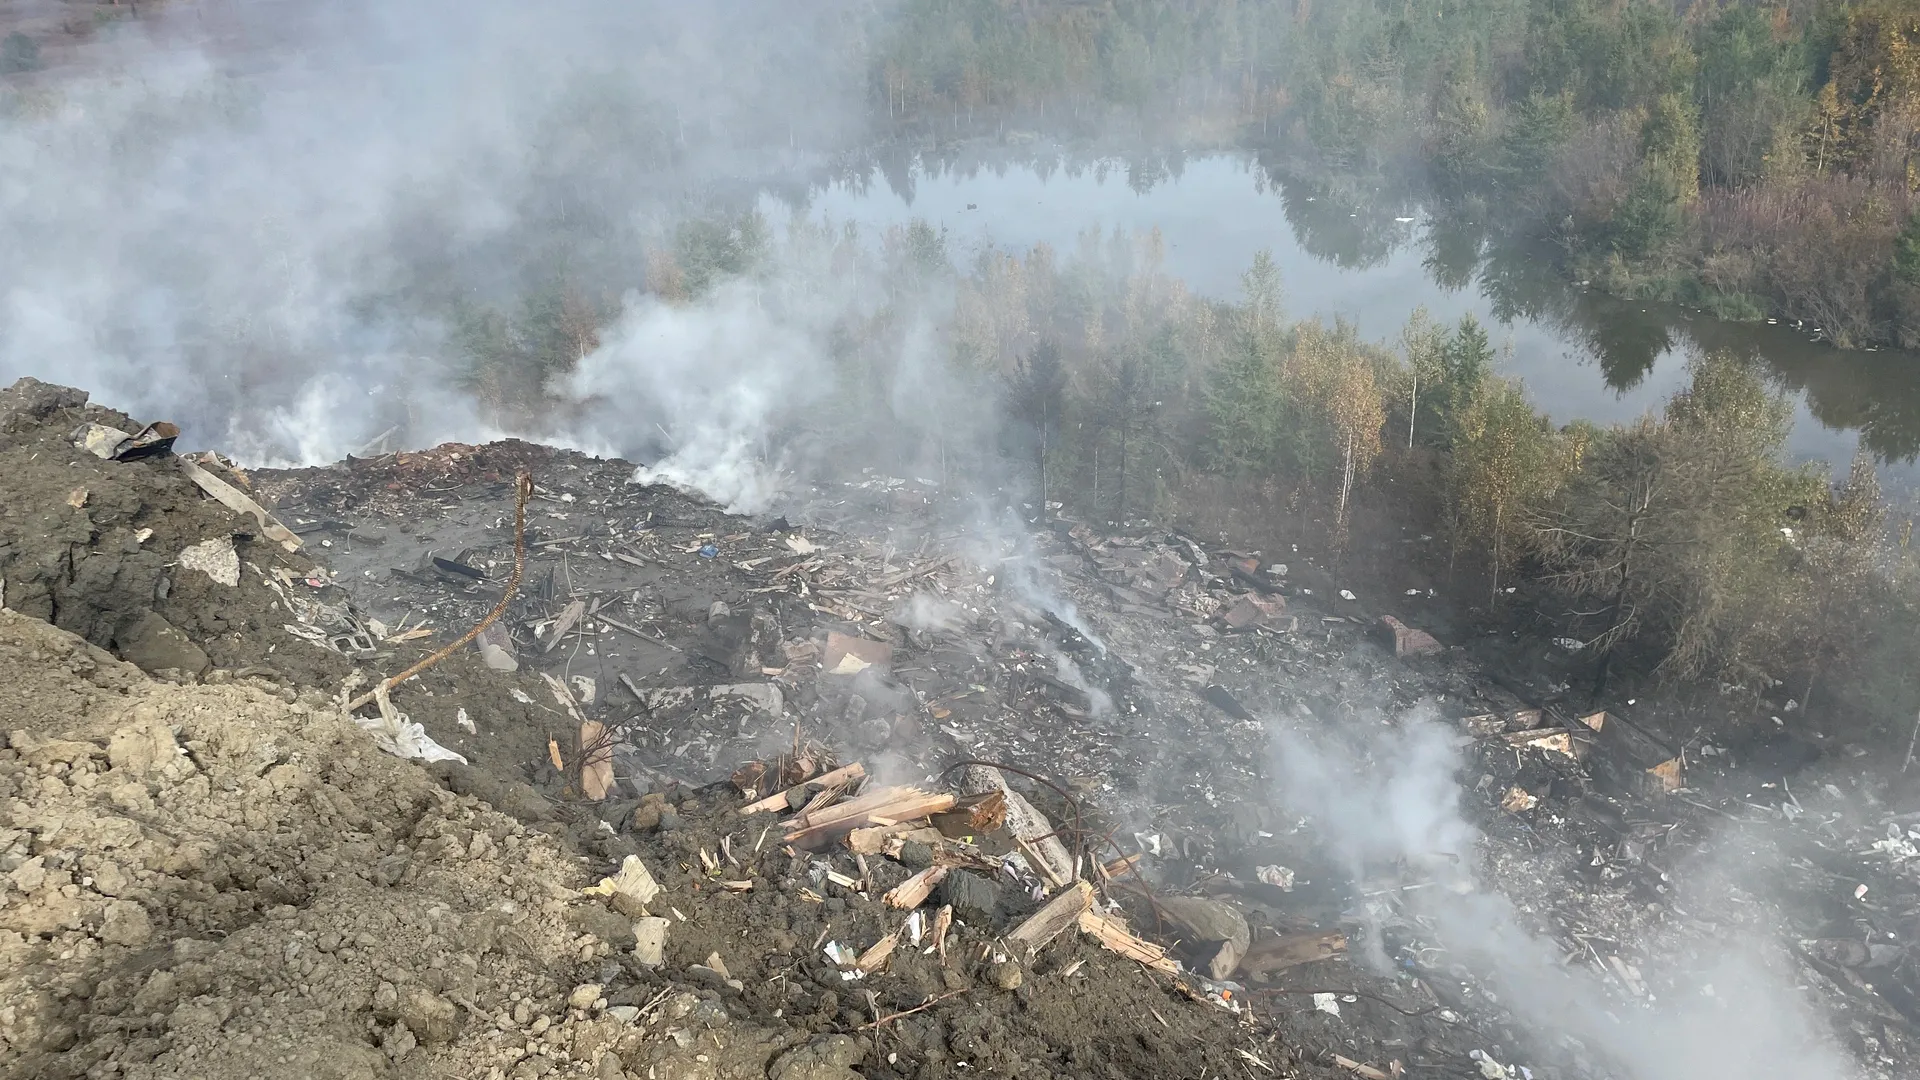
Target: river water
[{"x": 1580, "y": 354}]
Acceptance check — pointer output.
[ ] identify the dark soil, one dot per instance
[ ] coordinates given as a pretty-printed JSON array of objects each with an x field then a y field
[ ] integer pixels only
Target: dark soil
[{"x": 1098, "y": 664}]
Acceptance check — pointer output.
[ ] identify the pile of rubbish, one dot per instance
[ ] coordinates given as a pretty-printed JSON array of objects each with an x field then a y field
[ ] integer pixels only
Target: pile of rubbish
[{"x": 879, "y": 789}]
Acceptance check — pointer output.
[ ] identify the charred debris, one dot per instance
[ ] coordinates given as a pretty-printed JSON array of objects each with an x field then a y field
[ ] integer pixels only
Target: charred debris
[{"x": 939, "y": 801}]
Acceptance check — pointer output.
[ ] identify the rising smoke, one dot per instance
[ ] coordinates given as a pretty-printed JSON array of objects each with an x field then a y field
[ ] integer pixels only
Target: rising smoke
[
  {"x": 254, "y": 219},
  {"x": 261, "y": 234},
  {"x": 1387, "y": 794}
]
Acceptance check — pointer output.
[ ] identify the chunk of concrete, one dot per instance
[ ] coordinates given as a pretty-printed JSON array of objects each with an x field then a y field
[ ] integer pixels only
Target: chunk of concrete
[{"x": 1219, "y": 927}]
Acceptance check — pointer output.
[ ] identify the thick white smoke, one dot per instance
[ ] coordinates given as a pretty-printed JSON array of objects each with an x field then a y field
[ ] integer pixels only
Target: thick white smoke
[
  {"x": 252, "y": 219},
  {"x": 1381, "y": 792}
]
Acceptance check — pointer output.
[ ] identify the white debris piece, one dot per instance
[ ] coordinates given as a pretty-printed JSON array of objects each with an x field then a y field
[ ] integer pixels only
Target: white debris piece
[
  {"x": 634, "y": 881},
  {"x": 1279, "y": 877},
  {"x": 401, "y": 737},
  {"x": 466, "y": 722},
  {"x": 1489, "y": 1068},
  {"x": 1327, "y": 1003},
  {"x": 214, "y": 558}
]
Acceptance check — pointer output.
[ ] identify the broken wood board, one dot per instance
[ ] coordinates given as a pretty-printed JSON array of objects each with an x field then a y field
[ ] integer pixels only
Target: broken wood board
[
  {"x": 914, "y": 891},
  {"x": 237, "y": 501},
  {"x": 900, "y": 802},
  {"x": 1112, "y": 934},
  {"x": 846, "y": 654},
  {"x": 871, "y": 960},
  {"x": 887, "y": 806},
  {"x": 1055, "y": 916},
  {"x": 1024, "y": 821},
  {"x": 846, "y": 774},
  {"x": 596, "y": 760},
  {"x": 975, "y": 815},
  {"x": 564, "y": 622},
  {"x": 1553, "y": 740},
  {"x": 1366, "y": 1072}
]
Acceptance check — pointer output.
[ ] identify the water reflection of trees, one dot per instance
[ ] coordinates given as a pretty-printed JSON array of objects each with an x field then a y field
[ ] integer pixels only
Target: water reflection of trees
[
  {"x": 1877, "y": 394},
  {"x": 1520, "y": 286}
]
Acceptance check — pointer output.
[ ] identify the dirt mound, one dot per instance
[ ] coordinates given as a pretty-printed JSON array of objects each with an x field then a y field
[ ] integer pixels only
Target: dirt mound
[
  {"x": 210, "y": 881},
  {"x": 95, "y": 546}
]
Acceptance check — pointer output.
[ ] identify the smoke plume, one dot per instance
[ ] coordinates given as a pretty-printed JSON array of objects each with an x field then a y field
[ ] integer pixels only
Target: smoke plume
[{"x": 1387, "y": 793}]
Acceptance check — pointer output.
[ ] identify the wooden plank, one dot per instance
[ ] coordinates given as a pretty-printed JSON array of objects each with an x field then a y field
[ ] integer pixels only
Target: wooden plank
[
  {"x": 1113, "y": 935},
  {"x": 908, "y": 804},
  {"x": 778, "y": 800},
  {"x": 914, "y": 891},
  {"x": 1052, "y": 919}
]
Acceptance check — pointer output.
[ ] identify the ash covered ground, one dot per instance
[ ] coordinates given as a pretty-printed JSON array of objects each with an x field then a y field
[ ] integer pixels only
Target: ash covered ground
[{"x": 1370, "y": 853}]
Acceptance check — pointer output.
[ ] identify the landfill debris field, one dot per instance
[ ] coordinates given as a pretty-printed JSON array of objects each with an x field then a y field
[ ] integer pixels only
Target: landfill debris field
[{"x": 863, "y": 790}]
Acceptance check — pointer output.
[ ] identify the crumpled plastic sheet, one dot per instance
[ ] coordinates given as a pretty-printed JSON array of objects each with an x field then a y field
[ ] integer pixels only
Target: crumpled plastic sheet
[{"x": 402, "y": 737}]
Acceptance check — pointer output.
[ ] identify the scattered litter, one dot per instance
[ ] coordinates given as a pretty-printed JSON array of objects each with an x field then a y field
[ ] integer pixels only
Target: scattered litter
[{"x": 1327, "y": 1003}]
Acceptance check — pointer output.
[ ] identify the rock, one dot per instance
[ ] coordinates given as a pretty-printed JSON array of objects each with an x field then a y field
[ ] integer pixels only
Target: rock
[
  {"x": 915, "y": 855},
  {"x": 432, "y": 1018},
  {"x": 40, "y": 752},
  {"x": 126, "y": 923},
  {"x": 1214, "y": 923},
  {"x": 144, "y": 747},
  {"x": 153, "y": 644},
  {"x": 30, "y": 875},
  {"x": 646, "y": 816},
  {"x": 1406, "y": 640},
  {"x": 975, "y": 899},
  {"x": 713, "y": 977},
  {"x": 826, "y": 1057},
  {"x": 625, "y": 1014},
  {"x": 1006, "y": 975},
  {"x": 584, "y": 996},
  {"x": 609, "y": 926},
  {"x": 650, "y": 941}
]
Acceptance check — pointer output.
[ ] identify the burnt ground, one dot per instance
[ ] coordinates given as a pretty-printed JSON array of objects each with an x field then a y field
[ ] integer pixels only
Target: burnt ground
[{"x": 1131, "y": 671}]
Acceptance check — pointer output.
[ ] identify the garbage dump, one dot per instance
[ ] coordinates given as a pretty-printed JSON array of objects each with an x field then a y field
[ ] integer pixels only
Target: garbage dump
[{"x": 644, "y": 789}]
